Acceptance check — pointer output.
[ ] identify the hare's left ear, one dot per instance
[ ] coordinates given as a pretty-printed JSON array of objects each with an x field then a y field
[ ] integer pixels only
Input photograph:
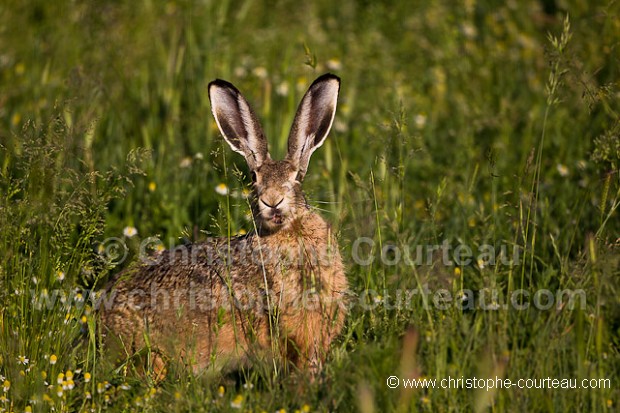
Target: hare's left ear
[
  {"x": 313, "y": 121},
  {"x": 238, "y": 123}
]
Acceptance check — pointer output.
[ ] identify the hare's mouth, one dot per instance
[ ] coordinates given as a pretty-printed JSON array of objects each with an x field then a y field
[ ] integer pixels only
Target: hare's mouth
[{"x": 277, "y": 218}]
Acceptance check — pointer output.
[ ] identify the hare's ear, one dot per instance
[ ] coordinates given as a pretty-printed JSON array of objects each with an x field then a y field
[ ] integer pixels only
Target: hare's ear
[
  {"x": 313, "y": 121},
  {"x": 238, "y": 123}
]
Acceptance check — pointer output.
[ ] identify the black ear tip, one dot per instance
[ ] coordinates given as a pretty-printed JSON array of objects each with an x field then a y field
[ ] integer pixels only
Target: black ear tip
[
  {"x": 327, "y": 77},
  {"x": 222, "y": 83}
]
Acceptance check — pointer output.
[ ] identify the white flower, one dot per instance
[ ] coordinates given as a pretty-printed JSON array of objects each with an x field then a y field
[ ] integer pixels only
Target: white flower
[
  {"x": 130, "y": 231},
  {"x": 186, "y": 162},
  {"x": 221, "y": 189},
  {"x": 420, "y": 120},
  {"x": 23, "y": 360},
  {"x": 260, "y": 72},
  {"x": 562, "y": 170},
  {"x": 198, "y": 156},
  {"x": 282, "y": 89},
  {"x": 60, "y": 275}
]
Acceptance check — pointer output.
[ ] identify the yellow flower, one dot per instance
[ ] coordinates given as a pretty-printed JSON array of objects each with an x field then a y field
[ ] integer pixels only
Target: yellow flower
[
  {"x": 23, "y": 360},
  {"x": 305, "y": 408},
  {"x": 87, "y": 377},
  {"x": 177, "y": 395},
  {"x": 220, "y": 391},
  {"x": 6, "y": 386},
  {"x": 237, "y": 402},
  {"x": 457, "y": 271},
  {"x": 53, "y": 359},
  {"x": 15, "y": 119},
  {"x": 28, "y": 409},
  {"x": 152, "y": 186},
  {"x": 20, "y": 68},
  {"x": 60, "y": 275}
]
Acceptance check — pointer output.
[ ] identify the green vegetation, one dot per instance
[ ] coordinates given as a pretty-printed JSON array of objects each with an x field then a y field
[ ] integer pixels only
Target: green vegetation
[{"x": 477, "y": 123}]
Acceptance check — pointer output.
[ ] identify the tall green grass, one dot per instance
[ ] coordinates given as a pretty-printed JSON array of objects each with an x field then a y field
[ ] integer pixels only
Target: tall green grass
[{"x": 479, "y": 123}]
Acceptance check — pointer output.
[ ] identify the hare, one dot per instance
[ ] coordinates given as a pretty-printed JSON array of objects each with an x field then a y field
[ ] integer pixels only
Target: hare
[{"x": 278, "y": 291}]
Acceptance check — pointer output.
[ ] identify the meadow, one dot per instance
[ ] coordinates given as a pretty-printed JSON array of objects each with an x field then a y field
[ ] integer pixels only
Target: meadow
[{"x": 474, "y": 130}]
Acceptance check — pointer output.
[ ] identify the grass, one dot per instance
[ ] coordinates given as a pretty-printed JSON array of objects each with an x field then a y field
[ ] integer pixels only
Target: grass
[{"x": 471, "y": 124}]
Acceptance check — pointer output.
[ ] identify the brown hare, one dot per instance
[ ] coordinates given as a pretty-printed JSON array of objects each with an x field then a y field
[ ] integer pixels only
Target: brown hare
[{"x": 278, "y": 291}]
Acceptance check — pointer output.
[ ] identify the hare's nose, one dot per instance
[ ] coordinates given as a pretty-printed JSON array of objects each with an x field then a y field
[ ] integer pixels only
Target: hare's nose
[{"x": 274, "y": 206}]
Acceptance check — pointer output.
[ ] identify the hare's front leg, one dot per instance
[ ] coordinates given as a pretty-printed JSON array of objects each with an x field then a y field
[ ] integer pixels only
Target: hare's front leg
[{"x": 308, "y": 334}]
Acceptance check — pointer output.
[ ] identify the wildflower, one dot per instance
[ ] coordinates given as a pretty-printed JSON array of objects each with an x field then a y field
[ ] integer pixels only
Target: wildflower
[
  {"x": 130, "y": 232},
  {"x": 84, "y": 319},
  {"x": 245, "y": 193},
  {"x": 185, "y": 162},
  {"x": 4, "y": 399},
  {"x": 59, "y": 391},
  {"x": 125, "y": 386},
  {"x": 198, "y": 156},
  {"x": 44, "y": 375},
  {"x": 237, "y": 402},
  {"x": 87, "y": 395},
  {"x": 419, "y": 120},
  {"x": 20, "y": 68},
  {"x": 60, "y": 378},
  {"x": 282, "y": 89},
  {"x": 333, "y": 64},
  {"x": 6, "y": 386},
  {"x": 248, "y": 386},
  {"x": 220, "y": 391},
  {"x": 15, "y": 119},
  {"x": 457, "y": 271},
  {"x": 23, "y": 360},
  {"x": 481, "y": 263},
  {"x": 87, "y": 377},
  {"x": 100, "y": 388},
  {"x": 152, "y": 186},
  {"x": 305, "y": 408},
  {"x": 260, "y": 72},
  {"x": 562, "y": 170},
  {"x": 28, "y": 409},
  {"x": 242, "y": 232},
  {"x": 425, "y": 400},
  {"x": 60, "y": 275},
  {"x": 177, "y": 395},
  {"x": 221, "y": 189}
]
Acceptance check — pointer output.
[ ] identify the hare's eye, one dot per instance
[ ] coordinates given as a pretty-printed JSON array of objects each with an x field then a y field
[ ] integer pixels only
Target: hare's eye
[{"x": 253, "y": 174}]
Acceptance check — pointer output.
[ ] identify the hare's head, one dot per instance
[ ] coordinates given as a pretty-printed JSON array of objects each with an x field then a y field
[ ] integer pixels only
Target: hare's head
[{"x": 277, "y": 184}]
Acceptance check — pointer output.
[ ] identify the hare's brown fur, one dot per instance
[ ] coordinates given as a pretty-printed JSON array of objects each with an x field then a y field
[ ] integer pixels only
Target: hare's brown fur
[{"x": 277, "y": 292}]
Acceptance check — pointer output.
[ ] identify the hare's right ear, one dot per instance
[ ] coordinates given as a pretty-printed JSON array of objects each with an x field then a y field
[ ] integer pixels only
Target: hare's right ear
[
  {"x": 313, "y": 121},
  {"x": 238, "y": 123}
]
